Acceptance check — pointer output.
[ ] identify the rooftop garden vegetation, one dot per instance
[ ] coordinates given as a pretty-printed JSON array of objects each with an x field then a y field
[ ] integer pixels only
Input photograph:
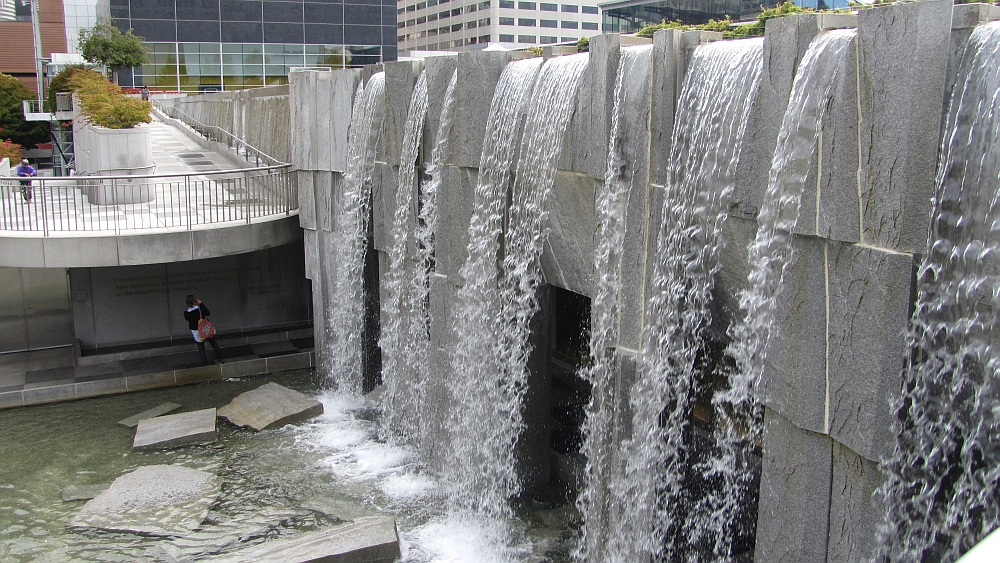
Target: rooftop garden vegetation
[
  {"x": 106, "y": 45},
  {"x": 103, "y": 103},
  {"x": 15, "y": 127},
  {"x": 729, "y": 29}
]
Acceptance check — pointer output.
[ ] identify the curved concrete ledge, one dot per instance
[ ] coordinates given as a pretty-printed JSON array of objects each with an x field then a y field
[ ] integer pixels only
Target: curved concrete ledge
[{"x": 154, "y": 246}]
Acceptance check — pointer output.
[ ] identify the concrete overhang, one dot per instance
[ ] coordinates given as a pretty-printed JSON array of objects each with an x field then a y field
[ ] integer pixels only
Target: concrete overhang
[{"x": 150, "y": 246}]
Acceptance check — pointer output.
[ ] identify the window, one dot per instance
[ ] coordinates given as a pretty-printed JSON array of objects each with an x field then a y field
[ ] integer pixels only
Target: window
[
  {"x": 411, "y": 8},
  {"x": 548, "y": 23},
  {"x": 443, "y": 30},
  {"x": 484, "y": 38},
  {"x": 567, "y": 39},
  {"x": 421, "y": 5},
  {"x": 421, "y": 20},
  {"x": 470, "y": 25},
  {"x": 526, "y": 22},
  {"x": 548, "y": 7},
  {"x": 456, "y": 12},
  {"x": 432, "y": 32},
  {"x": 526, "y": 5},
  {"x": 456, "y": 27},
  {"x": 569, "y": 25},
  {"x": 508, "y": 4},
  {"x": 411, "y": 23},
  {"x": 400, "y": 10},
  {"x": 471, "y": 8},
  {"x": 444, "y": 15},
  {"x": 401, "y": 25},
  {"x": 485, "y": 22},
  {"x": 506, "y": 21},
  {"x": 525, "y": 38},
  {"x": 590, "y": 9},
  {"x": 506, "y": 38},
  {"x": 569, "y": 8},
  {"x": 400, "y": 38},
  {"x": 547, "y": 40},
  {"x": 484, "y": 5},
  {"x": 432, "y": 3},
  {"x": 591, "y": 26},
  {"x": 432, "y": 17}
]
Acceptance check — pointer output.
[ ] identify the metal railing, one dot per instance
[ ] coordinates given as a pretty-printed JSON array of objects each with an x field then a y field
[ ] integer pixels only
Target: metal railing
[
  {"x": 116, "y": 204},
  {"x": 215, "y": 133}
]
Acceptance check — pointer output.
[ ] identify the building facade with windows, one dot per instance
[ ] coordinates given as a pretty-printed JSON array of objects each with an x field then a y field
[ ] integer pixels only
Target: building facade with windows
[
  {"x": 17, "y": 45},
  {"x": 463, "y": 25},
  {"x": 629, "y": 16},
  {"x": 206, "y": 45}
]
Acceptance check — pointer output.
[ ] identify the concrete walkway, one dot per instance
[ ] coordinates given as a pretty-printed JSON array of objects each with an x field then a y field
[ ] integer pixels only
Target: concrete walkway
[{"x": 45, "y": 376}]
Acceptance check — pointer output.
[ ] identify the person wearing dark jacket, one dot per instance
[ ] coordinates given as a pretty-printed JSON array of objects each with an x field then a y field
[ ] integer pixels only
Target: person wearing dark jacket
[{"x": 195, "y": 312}]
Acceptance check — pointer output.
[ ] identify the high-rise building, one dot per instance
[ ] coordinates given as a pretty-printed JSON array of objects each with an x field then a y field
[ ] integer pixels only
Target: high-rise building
[
  {"x": 463, "y": 25},
  {"x": 204, "y": 45},
  {"x": 79, "y": 14}
]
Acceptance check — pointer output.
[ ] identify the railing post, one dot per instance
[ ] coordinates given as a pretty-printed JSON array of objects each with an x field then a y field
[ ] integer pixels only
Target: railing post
[
  {"x": 246, "y": 190},
  {"x": 187, "y": 198},
  {"x": 45, "y": 216}
]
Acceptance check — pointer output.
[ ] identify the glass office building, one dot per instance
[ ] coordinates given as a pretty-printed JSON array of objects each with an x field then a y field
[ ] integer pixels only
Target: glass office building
[
  {"x": 205, "y": 45},
  {"x": 629, "y": 16}
]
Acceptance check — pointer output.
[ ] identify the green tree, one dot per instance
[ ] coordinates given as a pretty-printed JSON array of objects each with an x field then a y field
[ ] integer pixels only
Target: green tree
[
  {"x": 103, "y": 103},
  {"x": 105, "y": 44},
  {"x": 61, "y": 81},
  {"x": 15, "y": 128}
]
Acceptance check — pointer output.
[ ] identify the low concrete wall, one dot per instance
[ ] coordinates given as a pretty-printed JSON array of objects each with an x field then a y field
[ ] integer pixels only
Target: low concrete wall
[{"x": 114, "y": 152}]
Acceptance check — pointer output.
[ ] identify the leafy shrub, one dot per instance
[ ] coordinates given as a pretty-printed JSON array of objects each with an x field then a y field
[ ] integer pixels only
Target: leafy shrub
[
  {"x": 23, "y": 132},
  {"x": 61, "y": 82},
  {"x": 726, "y": 26},
  {"x": 103, "y": 103},
  {"x": 536, "y": 51},
  {"x": 11, "y": 150},
  {"x": 583, "y": 45}
]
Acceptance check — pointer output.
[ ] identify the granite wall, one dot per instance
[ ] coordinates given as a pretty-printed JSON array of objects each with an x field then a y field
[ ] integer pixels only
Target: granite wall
[{"x": 849, "y": 294}]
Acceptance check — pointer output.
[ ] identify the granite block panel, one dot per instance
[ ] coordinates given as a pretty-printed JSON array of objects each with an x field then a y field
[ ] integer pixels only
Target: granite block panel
[
  {"x": 155, "y": 248},
  {"x": 244, "y": 368},
  {"x": 439, "y": 71},
  {"x": 400, "y": 76},
  {"x": 568, "y": 258},
  {"x": 384, "y": 199},
  {"x": 903, "y": 58},
  {"x": 435, "y": 409},
  {"x": 478, "y": 74},
  {"x": 288, "y": 362},
  {"x": 794, "y": 507},
  {"x": 794, "y": 379},
  {"x": 22, "y": 252},
  {"x": 855, "y": 513},
  {"x": 76, "y": 251},
  {"x": 197, "y": 374},
  {"x": 455, "y": 204},
  {"x": 731, "y": 280},
  {"x": 10, "y": 399},
  {"x": 871, "y": 297},
  {"x": 585, "y": 145},
  {"x": 667, "y": 79},
  {"x": 328, "y": 187},
  {"x": 100, "y": 387},
  {"x": 443, "y": 296},
  {"x": 150, "y": 380},
  {"x": 320, "y": 103},
  {"x": 307, "y": 199},
  {"x": 51, "y": 394}
]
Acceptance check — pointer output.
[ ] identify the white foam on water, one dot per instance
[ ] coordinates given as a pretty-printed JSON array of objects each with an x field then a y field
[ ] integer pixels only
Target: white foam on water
[
  {"x": 405, "y": 486},
  {"x": 463, "y": 538}
]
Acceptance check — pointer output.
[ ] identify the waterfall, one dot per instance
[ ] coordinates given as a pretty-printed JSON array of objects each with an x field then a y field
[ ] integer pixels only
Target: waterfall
[
  {"x": 400, "y": 373},
  {"x": 713, "y": 522},
  {"x": 941, "y": 484},
  {"x": 496, "y": 307},
  {"x": 627, "y": 152},
  {"x": 712, "y": 115},
  {"x": 347, "y": 307}
]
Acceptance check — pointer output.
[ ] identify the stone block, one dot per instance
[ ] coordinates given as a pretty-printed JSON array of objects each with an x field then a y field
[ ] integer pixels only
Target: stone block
[
  {"x": 794, "y": 507},
  {"x": 197, "y": 374},
  {"x": 21, "y": 252},
  {"x": 439, "y": 71},
  {"x": 244, "y": 368},
  {"x": 10, "y": 399},
  {"x": 52, "y": 394},
  {"x": 903, "y": 56},
  {"x": 327, "y": 188},
  {"x": 154, "y": 500},
  {"x": 731, "y": 280},
  {"x": 455, "y": 206},
  {"x": 854, "y": 511},
  {"x": 307, "y": 199},
  {"x": 158, "y": 410},
  {"x": 372, "y": 539},
  {"x": 270, "y": 406},
  {"x": 272, "y": 234},
  {"x": 794, "y": 380},
  {"x": 311, "y": 251},
  {"x": 384, "y": 205},
  {"x": 83, "y": 492},
  {"x": 625, "y": 370},
  {"x": 585, "y": 145},
  {"x": 150, "y": 380},
  {"x": 210, "y": 243},
  {"x": 871, "y": 297},
  {"x": 667, "y": 79},
  {"x": 320, "y": 103},
  {"x": 478, "y": 74},
  {"x": 100, "y": 387},
  {"x": 80, "y": 251},
  {"x": 289, "y": 362},
  {"x": 785, "y": 41},
  {"x": 443, "y": 297},
  {"x": 197, "y": 427},
  {"x": 568, "y": 257},
  {"x": 155, "y": 248},
  {"x": 400, "y": 76}
]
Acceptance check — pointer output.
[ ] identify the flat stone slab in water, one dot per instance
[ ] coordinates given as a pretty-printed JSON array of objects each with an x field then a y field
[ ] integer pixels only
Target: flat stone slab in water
[
  {"x": 270, "y": 406},
  {"x": 83, "y": 492},
  {"x": 372, "y": 539},
  {"x": 160, "y": 410},
  {"x": 157, "y": 500},
  {"x": 196, "y": 427}
]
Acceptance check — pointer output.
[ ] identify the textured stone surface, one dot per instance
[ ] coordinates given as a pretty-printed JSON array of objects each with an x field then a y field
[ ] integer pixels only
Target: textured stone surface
[
  {"x": 320, "y": 105},
  {"x": 158, "y": 410},
  {"x": 83, "y": 492},
  {"x": 439, "y": 71},
  {"x": 197, "y": 427},
  {"x": 270, "y": 406},
  {"x": 904, "y": 51},
  {"x": 568, "y": 259},
  {"x": 327, "y": 188},
  {"x": 854, "y": 512},
  {"x": 666, "y": 80},
  {"x": 794, "y": 382},
  {"x": 455, "y": 205},
  {"x": 400, "y": 76},
  {"x": 436, "y": 409},
  {"x": 443, "y": 296},
  {"x": 737, "y": 234},
  {"x": 478, "y": 74},
  {"x": 158, "y": 500},
  {"x": 871, "y": 292},
  {"x": 585, "y": 145},
  {"x": 384, "y": 186},
  {"x": 371, "y": 539},
  {"x": 307, "y": 199},
  {"x": 794, "y": 506}
]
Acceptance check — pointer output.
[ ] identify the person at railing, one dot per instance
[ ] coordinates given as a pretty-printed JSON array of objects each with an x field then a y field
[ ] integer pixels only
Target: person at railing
[
  {"x": 144, "y": 93},
  {"x": 24, "y": 170},
  {"x": 195, "y": 312}
]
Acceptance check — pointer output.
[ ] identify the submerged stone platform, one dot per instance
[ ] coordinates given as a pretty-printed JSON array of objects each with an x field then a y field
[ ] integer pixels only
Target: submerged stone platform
[
  {"x": 157, "y": 500},
  {"x": 196, "y": 427},
  {"x": 158, "y": 410},
  {"x": 270, "y": 406},
  {"x": 371, "y": 539}
]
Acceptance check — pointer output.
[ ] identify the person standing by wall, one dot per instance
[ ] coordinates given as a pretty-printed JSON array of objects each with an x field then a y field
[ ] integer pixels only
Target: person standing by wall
[
  {"x": 195, "y": 312},
  {"x": 24, "y": 170}
]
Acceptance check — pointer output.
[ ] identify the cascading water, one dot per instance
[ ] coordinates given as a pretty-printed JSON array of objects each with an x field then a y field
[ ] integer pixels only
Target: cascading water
[
  {"x": 472, "y": 472},
  {"x": 400, "y": 373},
  {"x": 712, "y": 113},
  {"x": 347, "y": 308},
  {"x": 712, "y": 523},
  {"x": 941, "y": 486},
  {"x": 626, "y": 158},
  {"x": 490, "y": 363}
]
